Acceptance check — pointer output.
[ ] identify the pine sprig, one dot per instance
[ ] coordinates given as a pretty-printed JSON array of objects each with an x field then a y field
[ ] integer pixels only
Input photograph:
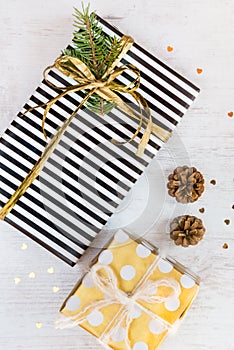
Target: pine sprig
[{"x": 96, "y": 49}]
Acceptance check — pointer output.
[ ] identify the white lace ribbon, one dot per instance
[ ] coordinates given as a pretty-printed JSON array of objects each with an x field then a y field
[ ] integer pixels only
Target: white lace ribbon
[{"x": 145, "y": 291}]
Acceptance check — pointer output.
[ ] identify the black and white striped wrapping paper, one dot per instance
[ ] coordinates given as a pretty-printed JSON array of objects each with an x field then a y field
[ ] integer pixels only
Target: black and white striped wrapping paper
[{"x": 87, "y": 176}]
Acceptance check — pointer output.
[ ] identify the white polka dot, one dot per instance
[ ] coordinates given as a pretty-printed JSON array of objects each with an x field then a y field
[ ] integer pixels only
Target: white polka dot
[
  {"x": 121, "y": 237},
  {"x": 73, "y": 303},
  {"x": 172, "y": 304},
  {"x": 95, "y": 318},
  {"x": 118, "y": 334},
  {"x": 187, "y": 282},
  {"x": 142, "y": 251},
  {"x": 140, "y": 346},
  {"x": 156, "y": 327},
  {"x": 135, "y": 313},
  {"x": 88, "y": 281},
  {"x": 106, "y": 257},
  {"x": 127, "y": 272},
  {"x": 164, "y": 266}
]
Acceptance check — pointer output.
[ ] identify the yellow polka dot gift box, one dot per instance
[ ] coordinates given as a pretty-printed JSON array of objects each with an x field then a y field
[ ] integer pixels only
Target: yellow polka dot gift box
[{"x": 131, "y": 298}]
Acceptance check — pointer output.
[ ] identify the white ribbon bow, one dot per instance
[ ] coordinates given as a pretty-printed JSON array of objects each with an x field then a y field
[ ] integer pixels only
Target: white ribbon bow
[{"x": 145, "y": 291}]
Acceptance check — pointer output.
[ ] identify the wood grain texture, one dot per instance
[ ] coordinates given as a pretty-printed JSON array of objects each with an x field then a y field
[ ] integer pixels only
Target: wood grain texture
[{"x": 201, "y": 33}]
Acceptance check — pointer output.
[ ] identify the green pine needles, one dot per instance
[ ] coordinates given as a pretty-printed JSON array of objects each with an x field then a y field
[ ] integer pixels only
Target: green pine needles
[{"x": 96, "y": 49}]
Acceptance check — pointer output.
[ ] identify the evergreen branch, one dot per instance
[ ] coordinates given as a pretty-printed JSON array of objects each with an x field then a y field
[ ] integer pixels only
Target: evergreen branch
[
  {"x": 94, "y": 48},
  {"x": 111, "y": 55}
]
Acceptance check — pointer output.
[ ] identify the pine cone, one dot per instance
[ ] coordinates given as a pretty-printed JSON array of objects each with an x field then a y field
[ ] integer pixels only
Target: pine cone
[
  {"x": 187, "y": 230},
  {"x": 185, "y": 184}
]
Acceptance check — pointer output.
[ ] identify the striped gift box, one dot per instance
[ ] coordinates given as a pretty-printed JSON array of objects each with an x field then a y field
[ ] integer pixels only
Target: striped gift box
[{"x": 87, "y": 176}]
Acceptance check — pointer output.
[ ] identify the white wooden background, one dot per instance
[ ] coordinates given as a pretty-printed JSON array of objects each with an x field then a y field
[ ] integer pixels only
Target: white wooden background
[{"x": 201, "y": 32}]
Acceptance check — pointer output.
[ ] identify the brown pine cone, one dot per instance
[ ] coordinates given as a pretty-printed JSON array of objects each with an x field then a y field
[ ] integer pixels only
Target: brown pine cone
[
  {"x": 185, "y": 184},
  {"x": 186, "y": 230}
]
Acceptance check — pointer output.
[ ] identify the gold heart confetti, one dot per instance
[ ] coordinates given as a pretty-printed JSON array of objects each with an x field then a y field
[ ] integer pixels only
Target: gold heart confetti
[
  {"x": 55, "y": 289},
  {"x": 50, "y": 270},
  {"x": 38, "y": 325},
  {"x": 17, "y": 280},
  {"x": 24, "y": 246},
  {"x": 230, "y": 114},
  {"x": 170, "y": 48},
  {"x": 32, "y": 275},
  {"x": 199, "y": 70}
]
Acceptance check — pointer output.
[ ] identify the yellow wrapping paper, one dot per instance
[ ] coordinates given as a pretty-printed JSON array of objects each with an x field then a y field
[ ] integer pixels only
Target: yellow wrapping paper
[{"x": 150, "y": 322}]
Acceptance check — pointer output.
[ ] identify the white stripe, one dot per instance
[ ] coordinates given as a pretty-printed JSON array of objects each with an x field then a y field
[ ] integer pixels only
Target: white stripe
[
  {"x": 116, "y": 111},
  {"x": 44, "y": 239},
  {"x": 154, "y": 64},
  {"x": 80, "y": 149},
  {"x": 41, "y": 223},
  {"x": 157, "y": 92},
  {"x": 54, "y": 181},
  {"x": 156, "y": 103},
  {"x": 83, "y": 176},
  {"x": 53, "y": 194}
]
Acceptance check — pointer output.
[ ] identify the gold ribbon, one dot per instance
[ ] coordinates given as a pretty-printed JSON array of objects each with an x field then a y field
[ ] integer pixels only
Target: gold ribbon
[
  {"x": 106, "y": 281},
  {"x": 106, "y": 88}
]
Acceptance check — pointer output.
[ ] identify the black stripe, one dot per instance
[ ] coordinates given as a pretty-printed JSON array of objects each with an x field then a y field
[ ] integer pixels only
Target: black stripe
[
  {"x": 156, "y": 97},
  {"x": 23, "y": 142},
  {"x": 72, "y": 100},
  {"x": 155, "y": 108},
  {"x": 86, "y": 147},
  {"x": 65, "y": 183},
  {"x": 135, "y": 107},
  {"x": 75, "y": 127},
  {"x": 37, "y": 228},
  {"x": 44, "y": 218},
  {"x": 107, "y": 199},
  {"x": 138, "y": 47},
  {"x": 160, "y": 74},
  {"x": 52, "y": 199},
  {"x": 160, "y": 87},
  {"x": 68, "y": 160},
  {"x": 37, "y": 240}
]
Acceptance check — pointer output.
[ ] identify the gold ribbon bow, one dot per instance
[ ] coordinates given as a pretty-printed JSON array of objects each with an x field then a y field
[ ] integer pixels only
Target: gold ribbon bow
[
  {"x": 145, "y": 291},
  {"x": 106, "y": 88}
]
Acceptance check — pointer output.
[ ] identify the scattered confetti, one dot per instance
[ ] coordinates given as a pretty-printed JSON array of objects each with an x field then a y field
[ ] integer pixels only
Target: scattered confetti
[
  {"x": 32, "y": 275},
  {"x": 202, "y": 210},
  {"x": 24, "y": 246},
  {"x": 55, "y": 289},
  {"x": 233, "y": 206},
  {"x": 50, "y": 270},
  {"x": 17, "y": 280},
  {"x": 199, "y": 70},
  {"x": 225, "y": 246},
  {"x": 230, "y": 114},
  {"x": 38, "y": 325},
  {"x": 227, "y": 221},
  {"x": 169, "y": 48},
  {"x": 213, "y": 182}
]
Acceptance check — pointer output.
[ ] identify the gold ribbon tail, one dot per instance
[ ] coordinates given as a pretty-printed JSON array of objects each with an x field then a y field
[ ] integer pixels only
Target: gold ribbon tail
[
  {"x": 107, "y": 87},
  {"x": 34, "y": 172}
]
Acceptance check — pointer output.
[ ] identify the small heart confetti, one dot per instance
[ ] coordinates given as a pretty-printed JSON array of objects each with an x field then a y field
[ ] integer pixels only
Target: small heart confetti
[
  {"x": 213, "y": 182},
  {"x": 169, "y": 48},
  {"x": 32, "y": 275},
  {"x": 202, "y": 210},
  {"x": 55, "y": 289},
  {"x": 17, "y": 280},
  {"x": 50, "y": 270},
  {"x": 38, "y": 325},
  {"x": 230, "y": 114},
  {"x": 225, "y": 246},
  {"x": 227, "y": 221},
  {"x": 24, "y": 246},
  {"x": 199, "y": 70}
]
